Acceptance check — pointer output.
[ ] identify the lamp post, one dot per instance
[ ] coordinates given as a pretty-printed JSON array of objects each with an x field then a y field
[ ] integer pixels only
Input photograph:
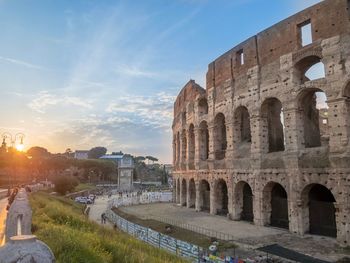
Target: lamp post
[{"x": 19, "y": 147}]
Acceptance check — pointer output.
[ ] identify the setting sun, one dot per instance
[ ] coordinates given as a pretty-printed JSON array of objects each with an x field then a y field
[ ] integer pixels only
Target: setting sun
[{"x": 20, "y": 147}]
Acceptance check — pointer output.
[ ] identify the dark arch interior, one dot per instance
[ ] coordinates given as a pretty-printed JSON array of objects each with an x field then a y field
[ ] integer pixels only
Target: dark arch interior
[
  {"x": 203, "y": 106},
  {"x": 192, "y": 193},
  {"x": 322, "y": 211},
  {"x": 222, "y": 198},
  {"x": 220, "y": 142},
  {"x": 279, "y": 207},
  {"x": 247, "y": 210},
  {"x": 205, "y": 195}
]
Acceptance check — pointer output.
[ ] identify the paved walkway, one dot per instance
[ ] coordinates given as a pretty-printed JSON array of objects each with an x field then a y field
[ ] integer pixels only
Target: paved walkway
[
  {"x": 3, "y": 215},
  {"x": 246, "y": 233},
  {"x": 97, "y": 209}
]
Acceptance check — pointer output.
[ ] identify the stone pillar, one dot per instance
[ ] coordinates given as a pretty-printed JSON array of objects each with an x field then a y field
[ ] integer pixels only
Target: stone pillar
[
  {"x": 213, "y": 202},
  {"x": 188, "y": 197},
  {"x": 197, "y": 150},
  {"x": 174, "y": 151},
  {"x": 338, "y": 123},
  {"x": 293, "y": 129},
  {"x": 258, "y": 209},
  {"x": 229, "y": 138},
  {"x": 230, "y": 197},
  {"x": 198, "y": 198},
  {"x": 211, "y": 157},
  {"x": 182, "y": 197}
]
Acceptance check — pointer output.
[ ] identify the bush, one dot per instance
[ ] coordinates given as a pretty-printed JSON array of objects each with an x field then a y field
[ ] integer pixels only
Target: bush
[{"x": 64, "y": 183}]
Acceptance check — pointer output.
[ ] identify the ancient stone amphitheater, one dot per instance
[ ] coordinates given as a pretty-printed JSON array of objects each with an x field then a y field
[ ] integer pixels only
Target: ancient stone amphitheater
[{"x": 267, "y": 141}]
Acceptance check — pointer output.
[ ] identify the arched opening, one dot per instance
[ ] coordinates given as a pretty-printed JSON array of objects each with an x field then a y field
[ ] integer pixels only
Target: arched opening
[
  {"x": 184, "y": 146},
  {"x": 318, "y": 203},
  {"x": 309, "y": 68},
  {"x": 221, "y": 197},
  {"x": 191, "y": 146},
  {"x": 242, "y": 124},
  {"x": 178, "y": 191},
  {"x": 203, "y": 106},
  {"x": 314, "y": 110},
  {"x": 204, "y": 141},
  {"x": 184, "y": 117},
  {"x": 243, "y": 202},
  {"x": 220, "y": 141},
  {"x": 272, "y": 116},
  {"x": 276, "y": 205},
  {"x": 204, "y": 195},
  {"x": 192, "y": 193},
  {"x": 183, "y": 192}
]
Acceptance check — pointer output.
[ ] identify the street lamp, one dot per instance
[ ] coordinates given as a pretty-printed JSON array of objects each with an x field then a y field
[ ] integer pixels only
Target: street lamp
[
  {"x": 19, "y": 147},
  {"x": 18, "y": 136}
]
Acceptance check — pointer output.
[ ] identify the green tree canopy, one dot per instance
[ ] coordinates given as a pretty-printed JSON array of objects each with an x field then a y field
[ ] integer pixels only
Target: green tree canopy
[
  {"x": 97, "y": 152},
  {"x": 38, "y": 152}
]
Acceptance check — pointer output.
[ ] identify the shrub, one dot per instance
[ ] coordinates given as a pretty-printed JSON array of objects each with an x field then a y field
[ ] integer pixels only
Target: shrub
[{"x": 64, "y": 183}]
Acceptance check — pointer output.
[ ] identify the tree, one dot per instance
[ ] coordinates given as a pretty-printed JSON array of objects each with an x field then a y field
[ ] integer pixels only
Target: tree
[
  {"x": 138, "y": 159},
  {"x": 152, "y": 159},
  {"x": 97, "y": 152},
  {"x": 64, "y": 183},
  {"x": 38, "y": 152}
]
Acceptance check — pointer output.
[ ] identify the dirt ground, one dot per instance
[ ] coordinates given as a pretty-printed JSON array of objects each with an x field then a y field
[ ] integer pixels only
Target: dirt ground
[{"x": 247, "y": 235}]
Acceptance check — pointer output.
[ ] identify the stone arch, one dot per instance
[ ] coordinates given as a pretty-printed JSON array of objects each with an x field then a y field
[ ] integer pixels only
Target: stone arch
[
  {"x": 220, "y": 140},
  {"x": 313, "y": 109},
  {"x": 309, "y": 68},
  {"x": 318, "y": 209},
  {"x": 191, "y": 146},
  {"x": 183, "y": 188},
  {"x": 191, "y": 193},
  {"x": 275, "y": 205},
  {"x": 204, "y": 141},
  {"x": 221, "y": 197},
  {"x": 243, "y": 198},
  {"x": 242, "y": 137},
  {"x": 272, "y": 116},
  {"x": 346, "y": 90},
  {"x": 202, "y": 106},
  {"x": 204, "y": 195},
  {"x": 184, "y": 117}
]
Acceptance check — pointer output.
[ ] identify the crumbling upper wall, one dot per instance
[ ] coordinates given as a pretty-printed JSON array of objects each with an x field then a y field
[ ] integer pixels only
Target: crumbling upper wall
[
  {"x": 328, "y": 18},
  {"x": 188, "y": 93}
]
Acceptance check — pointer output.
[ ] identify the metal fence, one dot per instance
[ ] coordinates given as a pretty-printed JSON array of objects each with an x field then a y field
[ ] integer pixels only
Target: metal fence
[
  {"x": 198, "y": 229},
  {"x": 155, "y": 238}
]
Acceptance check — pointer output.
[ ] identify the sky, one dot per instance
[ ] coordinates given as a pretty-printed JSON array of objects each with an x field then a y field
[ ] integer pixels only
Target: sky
[{"x": 84, "y": 73}]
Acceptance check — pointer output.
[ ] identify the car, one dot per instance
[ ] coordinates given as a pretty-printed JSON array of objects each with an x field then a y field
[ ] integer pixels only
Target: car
[{"x": 83, "y": 200}]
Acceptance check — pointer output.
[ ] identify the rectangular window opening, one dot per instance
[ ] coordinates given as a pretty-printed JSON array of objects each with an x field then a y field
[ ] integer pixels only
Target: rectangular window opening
[
  {"x": 240, "y": 55},
  {"x": 306, "y": 33}
]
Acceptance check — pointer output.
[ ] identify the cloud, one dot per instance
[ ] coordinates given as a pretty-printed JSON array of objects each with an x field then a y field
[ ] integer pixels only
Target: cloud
[
  {"x": 155, "y": 111},
  {"x": 44, "y": 99},
  {"x": 133, "y": 71},
  {"x": 21, "y": 63}
]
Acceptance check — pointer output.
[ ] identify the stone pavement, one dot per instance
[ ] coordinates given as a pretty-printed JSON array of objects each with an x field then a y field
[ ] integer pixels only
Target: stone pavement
[
  {"x": 97, "y": 209},
  {"x": 245, "y": 233}
]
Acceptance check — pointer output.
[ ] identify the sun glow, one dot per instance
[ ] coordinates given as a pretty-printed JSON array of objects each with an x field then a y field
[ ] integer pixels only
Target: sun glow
[{"x": 20, "y": 147}]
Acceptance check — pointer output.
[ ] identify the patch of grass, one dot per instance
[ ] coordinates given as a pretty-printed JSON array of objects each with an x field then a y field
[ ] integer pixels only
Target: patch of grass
[
  {"x": 177, "y": 232},
  {"x": 82, "y": 186},
  {"x": 74, "y": 239}
]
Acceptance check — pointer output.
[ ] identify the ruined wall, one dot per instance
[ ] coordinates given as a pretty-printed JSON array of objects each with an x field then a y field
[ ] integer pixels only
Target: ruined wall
[{"x": 270, "y": 80}]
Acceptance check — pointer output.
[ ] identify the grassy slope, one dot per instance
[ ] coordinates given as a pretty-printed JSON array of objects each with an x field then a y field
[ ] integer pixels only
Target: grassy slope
[{"x": 74, "y": 239}]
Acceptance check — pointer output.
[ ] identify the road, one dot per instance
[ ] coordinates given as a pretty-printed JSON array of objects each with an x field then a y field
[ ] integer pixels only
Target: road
[{"x": 98, "y": 208}]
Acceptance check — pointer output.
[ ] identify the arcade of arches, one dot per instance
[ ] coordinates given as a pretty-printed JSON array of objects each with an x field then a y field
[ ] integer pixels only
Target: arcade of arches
[{"x": 268, "y": 140}]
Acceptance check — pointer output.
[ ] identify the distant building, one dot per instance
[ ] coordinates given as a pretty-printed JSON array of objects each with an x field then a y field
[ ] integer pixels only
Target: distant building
[
  {"x": 125, "y": 168},
  {"x": 81, "y": 154}
]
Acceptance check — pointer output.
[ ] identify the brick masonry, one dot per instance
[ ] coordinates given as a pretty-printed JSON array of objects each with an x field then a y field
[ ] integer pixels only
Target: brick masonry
[{"x": 233, "y": 133}]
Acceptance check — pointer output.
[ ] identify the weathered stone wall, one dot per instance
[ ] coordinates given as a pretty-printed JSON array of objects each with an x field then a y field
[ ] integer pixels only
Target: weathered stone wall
[{"x": 270, "y": 93}]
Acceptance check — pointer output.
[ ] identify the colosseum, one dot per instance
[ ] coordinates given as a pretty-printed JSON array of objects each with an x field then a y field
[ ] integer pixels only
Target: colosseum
[{"x": 267, "y": 141}]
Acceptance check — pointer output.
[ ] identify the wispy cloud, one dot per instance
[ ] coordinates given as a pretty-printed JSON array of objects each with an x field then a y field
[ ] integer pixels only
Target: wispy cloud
[
  {"x": 44, "y": 99},
  {"x": 20, "y": 63}
]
